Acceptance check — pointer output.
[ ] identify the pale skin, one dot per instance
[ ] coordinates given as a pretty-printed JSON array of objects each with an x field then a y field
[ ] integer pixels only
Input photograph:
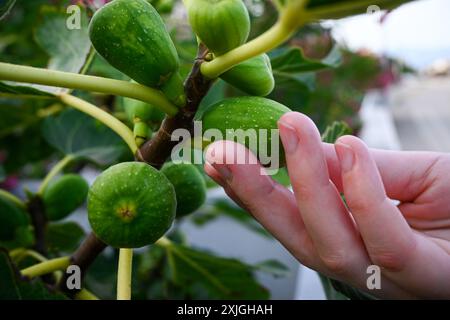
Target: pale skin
[{"x": 410, "y": 242}]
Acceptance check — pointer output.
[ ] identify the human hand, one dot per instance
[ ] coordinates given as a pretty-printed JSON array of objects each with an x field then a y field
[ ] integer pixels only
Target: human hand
[{"x": 409, "y": 242}]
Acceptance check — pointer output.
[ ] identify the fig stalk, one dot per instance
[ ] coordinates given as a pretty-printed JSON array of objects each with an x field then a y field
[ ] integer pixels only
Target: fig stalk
[
  {"x": 117, "y": 126},
  {"x": 25, "y": 74},
  {"x": 124, "y": 274},
  {"x": 46, "y": 267},
  {"x": 54, "y": 171}
]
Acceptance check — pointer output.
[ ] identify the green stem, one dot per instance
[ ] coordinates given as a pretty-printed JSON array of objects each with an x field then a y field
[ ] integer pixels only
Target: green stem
[
  {"x": 85, "y": 294},
  {"x": 118, "y": 127},
  {"x": 88, "y": 62},
  {"x": 9, "y": 196},
  {"x": 46, "y": 267},
  {"x": 54, "y": 171},
  {"x": 124, "y": 274},
  {"x": 290, "y": 20},
  {"x": 54, "y": 78}
]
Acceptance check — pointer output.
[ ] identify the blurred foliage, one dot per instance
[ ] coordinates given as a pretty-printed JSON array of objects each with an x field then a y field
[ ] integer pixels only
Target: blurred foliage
[{"x": 313, "y": 76}]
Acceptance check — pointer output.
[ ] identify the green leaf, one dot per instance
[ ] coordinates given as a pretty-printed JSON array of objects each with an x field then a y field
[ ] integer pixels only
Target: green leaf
[
  {"x": 64, "y": 237},
  {"x": 23, "y": 237},
  {"x": 13, "y": 288},
  {"x": 294, "y": 61},
  {"x": 226, "y": 207},
  {"x": 273, "y": 267},
  {"x": 293, "y": 90},
  {"x": 5, "y": 7},
  {"x": 336, "y": 290},
  {"x": 334, "y": 9},
  {"x": 330, "y": 292},
  {"x": 25, "y": 90},
  {"x": 75, "y": 133},
  {"x": 68, "y": 49},
  {"x": 20, "y": 133},
  {"x": 282, "y": 177},
  {"x": 216, "y": 277},
  {"x": 335, "y": 130}
]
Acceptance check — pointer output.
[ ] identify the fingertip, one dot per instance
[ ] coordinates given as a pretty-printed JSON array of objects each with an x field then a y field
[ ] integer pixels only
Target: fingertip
[
  {"x": 362, "y": 183},
  {"x": 299, "y": 121},
  {"x": 355, "y": 144}
]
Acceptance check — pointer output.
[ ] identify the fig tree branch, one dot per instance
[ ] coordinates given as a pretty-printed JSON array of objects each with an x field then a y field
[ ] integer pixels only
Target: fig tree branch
[
  {"x": 83, "y": 257},
  {"x": 54, "y": 78},
  {"x": 155, "y": 152},
  {"x": 36, "y": 209}
]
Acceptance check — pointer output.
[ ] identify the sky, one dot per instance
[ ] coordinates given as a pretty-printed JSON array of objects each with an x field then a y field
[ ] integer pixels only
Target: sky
[{"x": 417, "y": 33}]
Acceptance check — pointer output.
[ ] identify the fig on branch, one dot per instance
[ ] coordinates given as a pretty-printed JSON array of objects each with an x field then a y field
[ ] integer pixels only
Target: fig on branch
[
  {"x": 131, "y": 205},
  {"x": 245, "y": 120},
  {"x": 64, "y": 195},
  {"x": 189, "y": 184},
  {"x": 132, "y": 37},
  {"x": 253, "y": 76},
  {"x": 221, "y": 25}
]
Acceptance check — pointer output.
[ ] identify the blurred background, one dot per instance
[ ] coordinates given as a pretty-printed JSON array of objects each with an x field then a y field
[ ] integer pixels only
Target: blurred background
[{"x": 385, "y": 74}]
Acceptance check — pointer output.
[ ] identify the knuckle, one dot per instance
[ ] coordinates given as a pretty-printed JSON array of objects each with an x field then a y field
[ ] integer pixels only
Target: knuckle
[
  {"x": 358, "y": 204},
  {"x": 388, "y": 260},
  {"x": 391, "y": 259},
  {"x": 304, "y": 192},
  {"x": 337, "y": 264}
]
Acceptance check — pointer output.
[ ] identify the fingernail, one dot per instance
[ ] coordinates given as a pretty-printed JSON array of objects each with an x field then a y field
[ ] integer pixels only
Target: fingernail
[
  {"x": 224, "y": 171},
  {"x": 289, "y": 136},
  {"x": 346, "y": 156}
]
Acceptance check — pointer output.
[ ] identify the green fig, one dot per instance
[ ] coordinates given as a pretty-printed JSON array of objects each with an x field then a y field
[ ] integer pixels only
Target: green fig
[
  {"x": 132, "y": 37},
  {"x": 247, "y": 113},
  {"x": 253, "y": 76},
  {"x": 221, "y": 25},
  {"x": 131, "y": 205},
  {"x": 189, "y": 184},
  {"x": 64, "y": 195}
]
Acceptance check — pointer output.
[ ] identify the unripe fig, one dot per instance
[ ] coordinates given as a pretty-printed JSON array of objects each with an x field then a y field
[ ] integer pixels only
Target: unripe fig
[
  {"x": 221, "y": 25},
  {"x": 253, "y": 76},
  {"x": 247, "y": 113},
  {"x": 64, "y": 195},
  {"x": 144, "y": 117},
  {"x": 12, "y": 219},
  {"x": 131, "y": 205},
  {"x": 189, "y": 184},
  {"x": 132, "y": 37}
]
